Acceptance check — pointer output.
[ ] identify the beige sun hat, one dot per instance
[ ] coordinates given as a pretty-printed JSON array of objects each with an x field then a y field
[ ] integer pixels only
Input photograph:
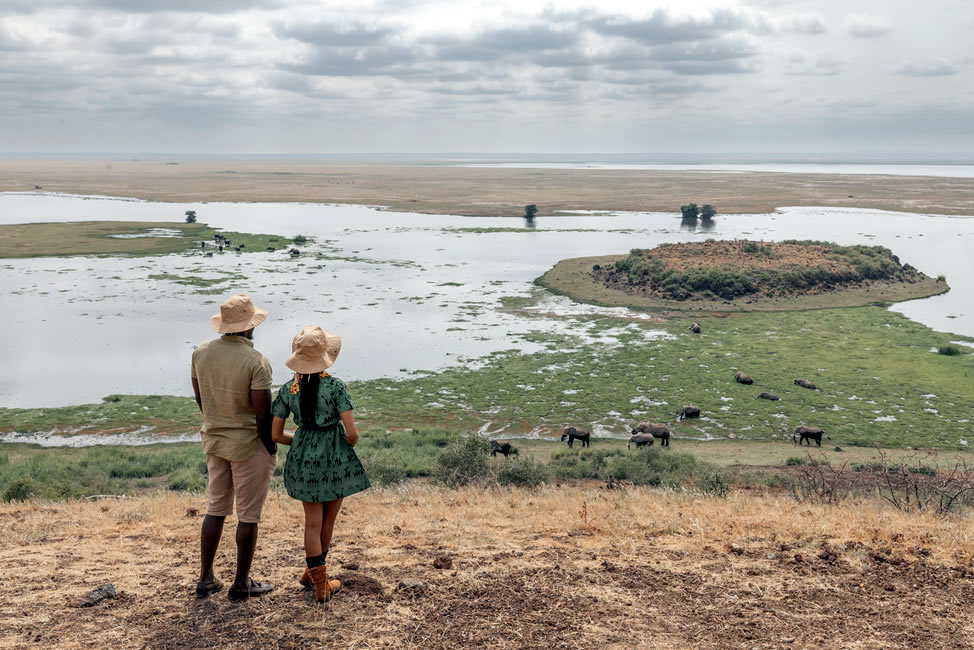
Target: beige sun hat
[
  {"x": 313, "y": 350},
  {"x": 237, "y": 314}
]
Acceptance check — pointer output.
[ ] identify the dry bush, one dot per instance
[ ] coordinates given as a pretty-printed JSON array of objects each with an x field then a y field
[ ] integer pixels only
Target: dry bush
[{"x": 918, "y": 483}]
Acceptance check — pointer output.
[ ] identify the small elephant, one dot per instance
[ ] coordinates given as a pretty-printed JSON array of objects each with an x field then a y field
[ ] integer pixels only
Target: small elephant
[
  {"x": 770, "y": 396},
  {"x": 641, "y": 440},
  {"x": 808, "y": 434},
  {"x": 741, "y": 378},
  {"x": 502, "y": 447},
  {"x": 695, "y": 328},
  {"x": 689, "y": 412},
  {"x": 804, "y": 383}
]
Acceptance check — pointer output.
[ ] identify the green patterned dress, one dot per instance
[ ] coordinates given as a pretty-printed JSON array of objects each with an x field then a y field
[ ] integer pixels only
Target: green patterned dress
[{"x": 321, "y": 466}]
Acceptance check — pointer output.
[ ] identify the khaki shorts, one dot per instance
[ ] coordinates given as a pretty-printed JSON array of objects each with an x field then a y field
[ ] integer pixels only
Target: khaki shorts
[{"x": 248, "y": 480}]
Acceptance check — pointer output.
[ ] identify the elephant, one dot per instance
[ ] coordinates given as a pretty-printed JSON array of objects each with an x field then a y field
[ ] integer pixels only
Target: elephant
[
  {"x": 657, "y": 430},
  {"x": 689, "y": 412},
  {"x": 770, "y": 396},
  {"x": 695, "y": 328},
  {"x": 804, "y": 383},
  {"x": 641, "y": 440},
  {"x": 808, "y": 434},
  {"x": 741, "y": 378},
  {"x": 502, "y": 447},
  {"x": 572, "y": 434}
]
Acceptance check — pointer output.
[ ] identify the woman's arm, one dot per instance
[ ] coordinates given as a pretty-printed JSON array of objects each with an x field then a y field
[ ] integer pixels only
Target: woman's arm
[
  {"x": 278, "y": 434},
  {"x": 351, "y": 433}
]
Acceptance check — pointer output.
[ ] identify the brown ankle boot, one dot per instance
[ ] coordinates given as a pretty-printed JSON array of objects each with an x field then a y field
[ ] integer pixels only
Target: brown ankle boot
[
  {"x": 305, "y": 578},
  {"x": 324, "y": 588}
]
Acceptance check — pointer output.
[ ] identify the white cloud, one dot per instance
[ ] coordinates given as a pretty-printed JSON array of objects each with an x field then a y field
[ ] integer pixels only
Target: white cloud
[
  {"x": 927, "y": 68},
  {"x": 865, "y": 26}
]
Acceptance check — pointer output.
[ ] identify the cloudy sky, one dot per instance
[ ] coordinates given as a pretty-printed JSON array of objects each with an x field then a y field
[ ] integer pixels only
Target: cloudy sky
[{"x": 317, "y": 76}]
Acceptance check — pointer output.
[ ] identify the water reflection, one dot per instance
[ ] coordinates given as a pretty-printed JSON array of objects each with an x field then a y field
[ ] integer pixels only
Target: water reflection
[{"x": 408, "y": 292}]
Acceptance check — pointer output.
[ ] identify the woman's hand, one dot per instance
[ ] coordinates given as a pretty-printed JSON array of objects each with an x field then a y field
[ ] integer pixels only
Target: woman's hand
[
  {"x": 277, "y": 432},
  {"x": 351, "y": 433}
]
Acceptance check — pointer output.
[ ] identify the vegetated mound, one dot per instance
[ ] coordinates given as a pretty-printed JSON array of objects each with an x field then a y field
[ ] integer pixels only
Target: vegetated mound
[{"x": 731, "y": 270}]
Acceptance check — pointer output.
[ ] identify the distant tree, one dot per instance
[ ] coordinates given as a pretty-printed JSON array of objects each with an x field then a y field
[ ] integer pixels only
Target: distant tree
[
  {"x": 530, "y": 211},
  {"x": 690, "y": 211},
  {"x": 300, "y": 239},
  {"x": 191, "y": 216},
  {"x": 708, "y": 211}
]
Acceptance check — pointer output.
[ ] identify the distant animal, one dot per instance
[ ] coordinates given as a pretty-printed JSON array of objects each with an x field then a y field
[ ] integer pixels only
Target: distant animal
[
  {"x": 804, "y": 383},
  {"x": 770, "y": 396},
  {"x": 270, "y": 249},
  {"x": 808, "y": 434},
  {"x": 241, "y": 246},
  {"x": 208, "y": 254},
  {"x": 659, "y": 431},
  {"x": 741, "y": 378},
  {"x": 641, "y": 440},
  {"x": 202, "y": 244},
  {"x": 497, "y": 446},
  {"x": 690, "y": 412},
  {"x": 571, "y": 434},
  {"x": 294, "y": 252},
  {"x": 238, "y": 248},
  {"x": 221, "y": 248},
  {"x": 38, "y": 187},
  {"x": 695, "y": 328}
]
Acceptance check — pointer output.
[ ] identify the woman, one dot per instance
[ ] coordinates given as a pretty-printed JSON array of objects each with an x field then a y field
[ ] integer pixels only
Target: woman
[{"x": 321, "y": 468}]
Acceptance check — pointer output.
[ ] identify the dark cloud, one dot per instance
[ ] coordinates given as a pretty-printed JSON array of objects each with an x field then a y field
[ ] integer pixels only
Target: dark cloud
[{"x": 928, "y": 68}]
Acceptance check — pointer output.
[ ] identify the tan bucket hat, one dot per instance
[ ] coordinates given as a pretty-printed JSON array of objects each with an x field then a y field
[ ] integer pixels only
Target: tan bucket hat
[
  {"x": 313, "y": 350},
  {"x": 237, "y": 314}
]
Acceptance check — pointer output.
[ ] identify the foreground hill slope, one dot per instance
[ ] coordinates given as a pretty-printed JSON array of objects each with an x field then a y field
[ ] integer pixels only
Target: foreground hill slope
[{"x": 577, "y": 566}]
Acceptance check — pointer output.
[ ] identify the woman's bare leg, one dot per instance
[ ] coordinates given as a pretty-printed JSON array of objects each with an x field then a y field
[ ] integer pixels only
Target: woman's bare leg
[
  {"x": 329, "y": 516},
  {"x": 313, "y": 529}
]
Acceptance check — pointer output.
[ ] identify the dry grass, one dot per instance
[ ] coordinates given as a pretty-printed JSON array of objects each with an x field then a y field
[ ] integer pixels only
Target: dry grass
[
  {"x": 481, "y": 192},
  {"x": 571, "y": 566}
]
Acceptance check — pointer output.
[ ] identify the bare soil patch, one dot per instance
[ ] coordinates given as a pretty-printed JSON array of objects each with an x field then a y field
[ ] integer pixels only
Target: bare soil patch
[{"x": 577, "y": 567}]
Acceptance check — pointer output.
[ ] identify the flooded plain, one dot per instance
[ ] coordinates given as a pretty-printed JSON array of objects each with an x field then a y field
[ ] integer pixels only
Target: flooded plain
[{"x": 407, "y": 292}]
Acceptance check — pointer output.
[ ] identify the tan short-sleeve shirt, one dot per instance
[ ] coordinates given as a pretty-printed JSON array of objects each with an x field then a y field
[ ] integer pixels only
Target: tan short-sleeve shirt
[{"x": 227, "y": 369}]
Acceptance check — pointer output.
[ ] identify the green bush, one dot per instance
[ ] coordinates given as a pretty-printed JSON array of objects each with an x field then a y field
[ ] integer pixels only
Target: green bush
[
  {"x": 714, "y": 483},
  {"x": 949, "y": 350},
  {"x": 795, "y": 460},
  {"x": 186, "y": 480},
  {"x": 525, "y": 472},
  {"x": 655, "y": 466},
  {"x": 463, "y": 462},
  {"x": 19, "y": 489},
  {"x": 384, "y": 468},
  {"x": 582, "y": 463}
]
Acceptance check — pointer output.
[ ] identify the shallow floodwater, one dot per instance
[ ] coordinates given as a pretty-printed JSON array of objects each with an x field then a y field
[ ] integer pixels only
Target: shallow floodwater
[{"x": 407, "y": 292}]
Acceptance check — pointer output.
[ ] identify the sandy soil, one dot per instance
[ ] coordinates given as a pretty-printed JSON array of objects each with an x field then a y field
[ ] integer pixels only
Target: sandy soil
[
  {"x": 480, "y": 192},
  {"x": 561, "y": 567}
]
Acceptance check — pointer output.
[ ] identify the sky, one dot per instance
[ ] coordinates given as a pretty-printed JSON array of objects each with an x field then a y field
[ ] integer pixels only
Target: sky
[{"x": 317, "y": 77}]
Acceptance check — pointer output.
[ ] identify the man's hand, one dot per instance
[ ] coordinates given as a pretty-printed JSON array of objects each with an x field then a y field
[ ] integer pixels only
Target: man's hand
[{"x": 261, "y": 399}]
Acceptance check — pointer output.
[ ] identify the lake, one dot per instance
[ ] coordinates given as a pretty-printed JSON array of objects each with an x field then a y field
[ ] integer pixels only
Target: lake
[{"x": 407, "y": 292}]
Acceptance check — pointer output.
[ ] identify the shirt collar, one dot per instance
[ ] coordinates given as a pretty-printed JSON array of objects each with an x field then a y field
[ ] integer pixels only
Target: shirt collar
[{"x": 231, "y": 338}]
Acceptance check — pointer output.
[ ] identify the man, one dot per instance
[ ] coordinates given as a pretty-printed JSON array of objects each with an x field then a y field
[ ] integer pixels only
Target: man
[{"x": 232, "y": 382}]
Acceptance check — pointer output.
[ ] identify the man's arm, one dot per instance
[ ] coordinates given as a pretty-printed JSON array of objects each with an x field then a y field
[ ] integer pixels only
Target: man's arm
[
  {"x": 196, "y": 390},
  {"x": 261, "y": 399}
]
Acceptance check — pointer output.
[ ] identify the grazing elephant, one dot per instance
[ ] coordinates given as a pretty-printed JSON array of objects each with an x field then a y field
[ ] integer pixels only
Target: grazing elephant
[
  {"x": 660, "y": 431},
  {"x": 741, "y": 378},
  {"x": 695, "y": 328},
  {"x": 502, "y": 447},
  {"x": 808, "y": 434},
  {"x": 572, "y": 434},
  {"x": 689, "y": 412},
  {"x": 770, "y": 396},
  {"x": 641, "y": 440},
  {"x": 804, "y": 383}
]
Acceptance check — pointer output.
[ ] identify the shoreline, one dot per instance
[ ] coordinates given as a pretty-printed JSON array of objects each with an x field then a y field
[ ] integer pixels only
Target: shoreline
[{"x": 464, "y": 191}]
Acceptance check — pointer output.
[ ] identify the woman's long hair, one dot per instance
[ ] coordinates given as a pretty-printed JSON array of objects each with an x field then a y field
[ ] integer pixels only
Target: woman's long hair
[{"x": 309, "y": 400}]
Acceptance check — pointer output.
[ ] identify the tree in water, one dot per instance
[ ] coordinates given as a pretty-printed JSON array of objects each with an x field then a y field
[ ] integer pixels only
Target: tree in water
[
  {"x": 708, "y": 211},
  {"x": 191, "y": 216},
  {"x": 690, "y": 211},
  {"x": 529, "y": 212}
]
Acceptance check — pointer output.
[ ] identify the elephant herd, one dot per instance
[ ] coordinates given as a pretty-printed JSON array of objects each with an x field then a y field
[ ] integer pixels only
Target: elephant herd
[{"x": 803, "y": 434}]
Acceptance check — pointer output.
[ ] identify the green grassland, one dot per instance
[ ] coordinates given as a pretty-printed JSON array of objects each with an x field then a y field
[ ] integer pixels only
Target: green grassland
[
  {"x": 880, "y": 383},
  {"x": 95, "y": 238}
]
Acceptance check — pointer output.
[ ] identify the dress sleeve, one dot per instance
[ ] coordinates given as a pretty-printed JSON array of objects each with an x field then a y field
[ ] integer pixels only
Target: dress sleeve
[
  {"x": 282, "y": 404},
  {"x": 343, "y": 401}
]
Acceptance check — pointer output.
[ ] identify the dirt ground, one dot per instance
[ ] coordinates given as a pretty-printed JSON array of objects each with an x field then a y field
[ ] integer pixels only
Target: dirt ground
[
  {"x": 442, "y": 189},
  {"x": 572, "y": 566}
]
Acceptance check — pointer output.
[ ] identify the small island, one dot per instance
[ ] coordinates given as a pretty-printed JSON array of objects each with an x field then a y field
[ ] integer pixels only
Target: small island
[{"x": 741, "y": 275}]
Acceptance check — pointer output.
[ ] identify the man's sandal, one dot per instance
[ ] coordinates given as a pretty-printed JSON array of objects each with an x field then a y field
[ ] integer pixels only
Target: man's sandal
[{"x": 206, "y": 589}]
